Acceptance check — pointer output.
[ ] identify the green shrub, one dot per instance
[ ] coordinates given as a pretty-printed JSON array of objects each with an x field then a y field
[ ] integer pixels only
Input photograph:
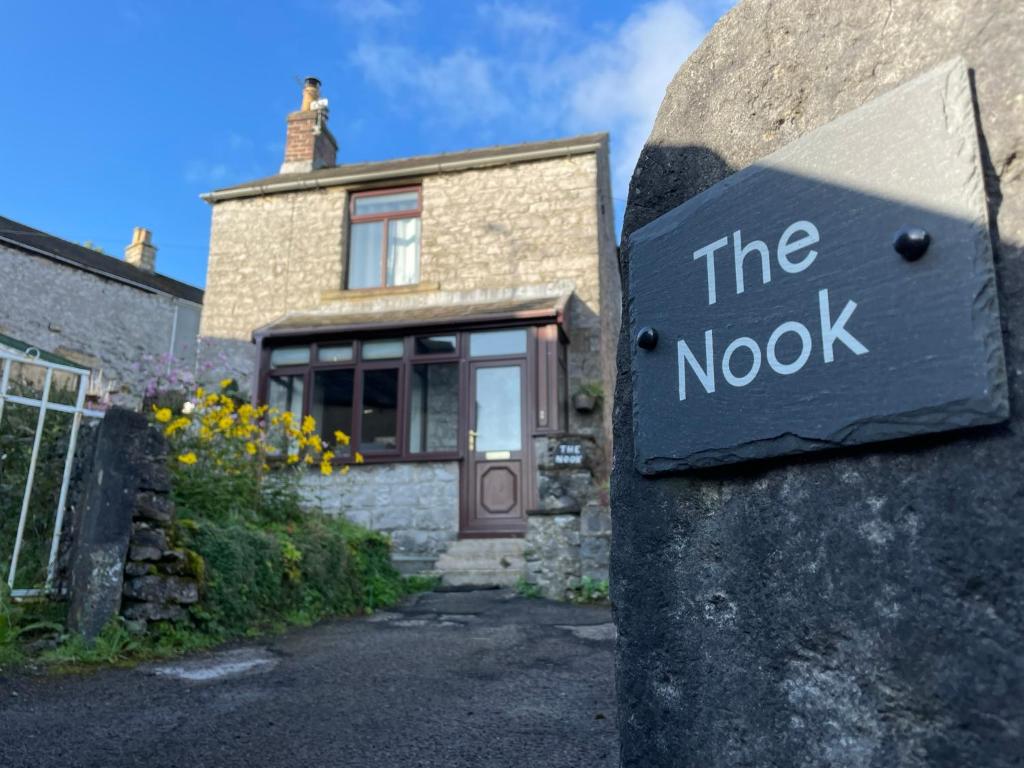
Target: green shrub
[{"x": 258, "y": 577}]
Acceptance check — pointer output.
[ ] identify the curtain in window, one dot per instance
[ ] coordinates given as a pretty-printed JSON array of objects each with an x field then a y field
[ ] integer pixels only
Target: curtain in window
[
  {"x": 365, "y": 247},
  {"x": 403, "y": 252}
]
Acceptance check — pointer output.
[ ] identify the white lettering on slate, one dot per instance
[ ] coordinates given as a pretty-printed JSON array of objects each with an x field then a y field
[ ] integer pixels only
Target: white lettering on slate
[
  {"x": 747, "y": 365},
  {"x": 569, "y": 454}
]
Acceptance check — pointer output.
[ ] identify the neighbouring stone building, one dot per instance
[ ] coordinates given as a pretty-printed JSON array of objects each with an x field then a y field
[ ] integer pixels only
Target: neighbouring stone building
[
  {"x": 96, "y": 310},
  {"x": 456, "y": 314}
]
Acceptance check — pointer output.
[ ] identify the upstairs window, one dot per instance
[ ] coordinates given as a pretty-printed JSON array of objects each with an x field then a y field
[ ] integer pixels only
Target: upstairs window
[{"x": 384, "y": 238}]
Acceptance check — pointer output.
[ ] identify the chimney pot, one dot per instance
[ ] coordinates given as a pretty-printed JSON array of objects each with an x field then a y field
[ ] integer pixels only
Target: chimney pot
[{"x": 310, "y": 93}]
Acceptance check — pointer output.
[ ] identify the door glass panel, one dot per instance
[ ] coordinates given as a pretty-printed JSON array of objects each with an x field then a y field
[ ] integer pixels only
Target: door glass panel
[
  {"x": 499, "y": 402},
  {"x": 383, "y": 349},
  {"x": 493, "y": 343},
  {"x": 332, "y": 404},
  {"x": 434, "y": 408},
  {"x": 380, "y": 410}
]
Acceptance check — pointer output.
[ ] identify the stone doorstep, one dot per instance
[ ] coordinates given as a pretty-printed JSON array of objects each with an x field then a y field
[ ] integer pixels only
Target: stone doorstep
[{"x": 482, "y": 562}]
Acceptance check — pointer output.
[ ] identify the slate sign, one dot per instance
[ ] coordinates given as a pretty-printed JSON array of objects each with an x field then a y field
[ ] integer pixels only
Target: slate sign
[{"x": 787, "y": 320}]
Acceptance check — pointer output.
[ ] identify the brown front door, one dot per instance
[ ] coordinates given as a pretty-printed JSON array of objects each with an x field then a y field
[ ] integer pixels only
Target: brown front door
[{"x": 496, "y": 449}]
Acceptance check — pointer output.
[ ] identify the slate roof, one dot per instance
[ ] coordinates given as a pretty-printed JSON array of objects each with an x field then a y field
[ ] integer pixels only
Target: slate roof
[
  {"x": 409, "y": 167},
  {"x": 309, "y": 323},
  {"x": 17, "y": 235}
]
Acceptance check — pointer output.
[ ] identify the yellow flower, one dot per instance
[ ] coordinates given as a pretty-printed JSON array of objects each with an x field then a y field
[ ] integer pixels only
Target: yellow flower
[
  {"x": 163, "y": 415},
  {"x": 359, "y": 458},
  {"x": 250, "y": 448},
  {"x": 293, "y": 458},
  {"x": 200, "y": 392},
  {"x": 326, "y": 468},
  {"x": 308, "y": 425},
  {"x": 179, "y": 423},
  {"x": 225, "y": 383},
  {"x": 341, "y": 437},
  {"x": 211, "y": 399},
  {"x": 225, "y": 423},
  {"x": 188, "y": 458},
  {"x": 205, "y": 433},
  {"x": 245, "y": 412},
  {"x": 327, "y": 456},
  {"x": 309, "y": 458},
  {"x": 287, "y": 418},
  {"x": 344, "y": 470},
  {"x": 315, "y": 444}
]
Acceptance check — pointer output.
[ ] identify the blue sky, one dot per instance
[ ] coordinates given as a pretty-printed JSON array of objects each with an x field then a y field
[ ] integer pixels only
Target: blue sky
[{"x": 119, "y": 113}]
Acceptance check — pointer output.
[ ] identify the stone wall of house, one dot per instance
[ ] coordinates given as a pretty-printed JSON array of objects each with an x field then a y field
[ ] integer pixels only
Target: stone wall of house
[
  {"x": 417, "y": 503},
  {"x": 488, "y": 234},
  {"x": 104, "y": 325}
]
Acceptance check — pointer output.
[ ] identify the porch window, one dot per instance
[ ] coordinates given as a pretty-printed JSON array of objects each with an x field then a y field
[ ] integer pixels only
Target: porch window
[
  {"x": 404, "y": 397},
  {"x": 384, "y": 238},
  {"x": 434, "y": 408},
  {"x": 380, "y": 410}
]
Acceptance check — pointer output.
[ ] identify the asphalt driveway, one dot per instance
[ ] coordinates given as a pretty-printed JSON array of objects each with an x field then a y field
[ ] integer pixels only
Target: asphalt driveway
[{"x": 484, "y": 679}]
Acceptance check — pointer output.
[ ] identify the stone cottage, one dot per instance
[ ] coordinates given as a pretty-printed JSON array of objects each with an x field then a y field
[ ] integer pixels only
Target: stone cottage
[
  {"x": 456, "y": 315},
  {"x": 100, "y": 312}
]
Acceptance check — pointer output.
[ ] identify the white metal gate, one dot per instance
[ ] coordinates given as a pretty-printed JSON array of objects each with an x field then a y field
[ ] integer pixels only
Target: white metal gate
[{"x": 27, "y": 379}]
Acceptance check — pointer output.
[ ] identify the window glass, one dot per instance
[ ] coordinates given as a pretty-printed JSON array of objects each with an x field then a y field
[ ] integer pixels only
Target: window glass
[
  {"x": 492, "y": 343},
  {"x": 434, "y": 408},
  {"x": 383, "y": 349},
  {"x": 380, "y": 410},
  {"x": 366, "y": 245},
  {"x": 336, "y": 353},
  {"x": 332, "y": 404},
  {"x": 403, "y": 252},
  {"x": 285, "y": 394},
  {"x": 499, "y": 418},
  {"x": 435, "y": 345},
  {"x": 283, "y": 356},
  {"x": 367, "y": 205}
]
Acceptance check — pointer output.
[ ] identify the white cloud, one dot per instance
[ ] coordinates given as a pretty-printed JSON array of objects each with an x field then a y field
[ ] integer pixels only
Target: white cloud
[
  {"x": 200, "y": 171},
  {"x": 459, "y": 87},
  {"x": 620, "y": 83},
  {"x": 510, "y": 17},
  {"x": 371, "y": 10}
]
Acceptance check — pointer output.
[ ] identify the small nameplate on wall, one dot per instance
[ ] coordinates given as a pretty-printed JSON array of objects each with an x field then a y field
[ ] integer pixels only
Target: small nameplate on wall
[
  {"x": 568, "y": 454},
  {"x": 840, "y": 291},
  {"x": 497, "y": 455}
]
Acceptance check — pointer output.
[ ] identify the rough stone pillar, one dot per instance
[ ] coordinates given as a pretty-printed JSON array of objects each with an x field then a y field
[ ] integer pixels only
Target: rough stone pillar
[
  {"x": 119, "y": 463},
  {"x": 853, "y": 608}
]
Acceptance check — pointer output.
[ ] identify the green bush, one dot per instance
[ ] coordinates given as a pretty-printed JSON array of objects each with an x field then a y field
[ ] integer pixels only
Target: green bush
[{"x": 258, "y": 577}]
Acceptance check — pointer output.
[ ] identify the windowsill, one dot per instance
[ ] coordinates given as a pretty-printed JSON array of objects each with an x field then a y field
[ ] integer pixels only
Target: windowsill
[{"x": 392, "y": 290}]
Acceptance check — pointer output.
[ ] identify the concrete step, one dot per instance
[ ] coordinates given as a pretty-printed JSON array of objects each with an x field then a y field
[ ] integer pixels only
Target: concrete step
[{"x": 482, "y": 562}]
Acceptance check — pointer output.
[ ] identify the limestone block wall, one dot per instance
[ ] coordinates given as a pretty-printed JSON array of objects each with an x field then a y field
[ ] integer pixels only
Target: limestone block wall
[
  {"x": 417, "y": 503},
  {"x": 104, "y": 325},
  {"x": 496, "y": 230}
]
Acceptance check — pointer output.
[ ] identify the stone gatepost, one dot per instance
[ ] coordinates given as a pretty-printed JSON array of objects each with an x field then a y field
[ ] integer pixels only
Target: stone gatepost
[
  {"x": 120, "y": 557},
  {"x": 855, "y": 606}
]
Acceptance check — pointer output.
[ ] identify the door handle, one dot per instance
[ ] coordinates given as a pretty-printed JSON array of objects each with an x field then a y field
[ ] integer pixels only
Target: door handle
[{"x": 472, "y": 441}]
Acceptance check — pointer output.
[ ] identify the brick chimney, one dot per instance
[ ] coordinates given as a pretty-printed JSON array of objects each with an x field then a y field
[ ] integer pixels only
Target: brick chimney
[
  {"x": 141, "y": 252},
  {"x": 309, "y": 145}
]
